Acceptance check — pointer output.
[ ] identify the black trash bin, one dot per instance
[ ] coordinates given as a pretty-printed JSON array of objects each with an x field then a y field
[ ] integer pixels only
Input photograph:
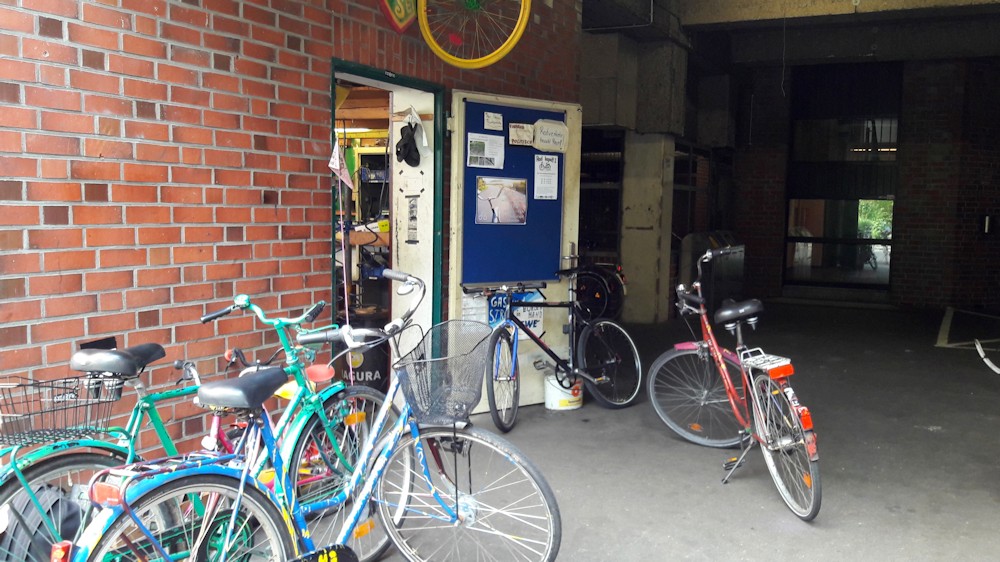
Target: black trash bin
[{"x": 371, "y": 367}]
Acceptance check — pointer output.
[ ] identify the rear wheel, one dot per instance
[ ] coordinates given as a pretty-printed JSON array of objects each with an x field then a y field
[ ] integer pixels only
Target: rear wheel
[
  {"x": 60, "y": 484},
  {"x": 503, "y": 388},
  {"x": 505, "y": 508},
  {"x": 190, "y": 518},
  {"x": 591, "y": 292},
  {"x": 687, "y": 393},
  {"x": 786, "y": 448},
  {"x": 607, "y": 353}
]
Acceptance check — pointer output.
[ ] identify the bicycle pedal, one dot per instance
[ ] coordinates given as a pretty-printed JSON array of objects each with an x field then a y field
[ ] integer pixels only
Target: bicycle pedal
[{"x": 732, "y": 463}]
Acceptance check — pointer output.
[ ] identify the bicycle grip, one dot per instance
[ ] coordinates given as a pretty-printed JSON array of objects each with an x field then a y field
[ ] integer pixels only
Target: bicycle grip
[
  {"x": 395, "y": 275},
  {"x": 332, "y": 335},
  {"x": 315, "y": 311},
  {"x": 216, "y": 315},
  {"x": 725, "y": 251}
]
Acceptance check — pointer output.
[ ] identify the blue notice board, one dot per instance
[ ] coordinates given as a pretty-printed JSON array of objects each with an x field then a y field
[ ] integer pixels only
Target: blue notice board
[{"x": 509, "y": 234}]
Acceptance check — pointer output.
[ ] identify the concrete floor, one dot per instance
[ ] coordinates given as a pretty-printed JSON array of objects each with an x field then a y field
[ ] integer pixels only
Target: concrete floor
[{"x": 909, "y": 443}]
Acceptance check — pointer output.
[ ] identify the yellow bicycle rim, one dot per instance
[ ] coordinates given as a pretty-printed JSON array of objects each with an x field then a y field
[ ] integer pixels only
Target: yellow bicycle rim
[{"x": 467, "y": 34}]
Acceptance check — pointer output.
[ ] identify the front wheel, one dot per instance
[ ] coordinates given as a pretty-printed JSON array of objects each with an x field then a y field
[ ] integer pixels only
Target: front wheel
[
  {"x": 472, "y": 35},
  {"x": 607, "y": 353},
  {"x": 688, "y": 394},
  {"x": 789, "y": 450},
  {"x": 198, "y": 517},
  {"x": 505, "y": 510},
  {"x": 503, "y": 387}
]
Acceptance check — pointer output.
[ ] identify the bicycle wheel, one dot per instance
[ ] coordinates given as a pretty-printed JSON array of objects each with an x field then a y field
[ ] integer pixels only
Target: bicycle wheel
[
  {"x": 687, "y": 393},
  {"x": 608, "y": 353},
  {"x": 616, "y": 292},
  {"x": 506, "y": 509},
  {"x": 591, "y": 292},
  {"x": 783, "y": 442},
  {"x": 60, "y": 484},
  {"x": 169, "y": 513},
  {"x": 320, "y": 473},
  {"x": 472, "y": 33},
  {"x": 503, "y": 388}
]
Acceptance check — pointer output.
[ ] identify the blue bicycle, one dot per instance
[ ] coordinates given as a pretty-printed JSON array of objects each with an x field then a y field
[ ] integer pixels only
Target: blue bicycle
[{"x": 442, "y": 489}]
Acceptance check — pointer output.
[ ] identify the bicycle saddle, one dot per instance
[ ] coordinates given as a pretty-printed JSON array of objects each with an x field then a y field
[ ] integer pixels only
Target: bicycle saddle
[
  {"x": 126, "y": 362},
  {"x": 246, "y": 392},
  {"x": 732, "y": 311}
]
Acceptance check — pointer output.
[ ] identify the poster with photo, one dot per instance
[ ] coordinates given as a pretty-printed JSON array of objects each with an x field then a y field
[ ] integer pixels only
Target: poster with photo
[{"x": 501, "y": 200}]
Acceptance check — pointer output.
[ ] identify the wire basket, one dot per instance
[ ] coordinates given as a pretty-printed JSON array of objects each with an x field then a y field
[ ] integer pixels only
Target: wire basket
[
  {"x": 33, "y": 412},
  {"x": 442, "y": 378}
]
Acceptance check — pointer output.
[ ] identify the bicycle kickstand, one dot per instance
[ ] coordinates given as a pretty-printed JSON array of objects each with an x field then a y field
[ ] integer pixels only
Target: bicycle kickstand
[{"x": 730, "y": 465}]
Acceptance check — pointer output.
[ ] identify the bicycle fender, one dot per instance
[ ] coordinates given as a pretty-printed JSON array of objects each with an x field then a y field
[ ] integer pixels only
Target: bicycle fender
[{"x": 54, "y": 449}]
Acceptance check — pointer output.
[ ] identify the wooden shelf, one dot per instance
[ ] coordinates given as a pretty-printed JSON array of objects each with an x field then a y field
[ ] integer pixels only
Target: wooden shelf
[{"x": 366, "y": 238}]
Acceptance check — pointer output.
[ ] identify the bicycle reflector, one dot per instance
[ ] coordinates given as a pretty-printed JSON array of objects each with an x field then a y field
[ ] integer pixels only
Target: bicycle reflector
[
  {"x": 105, "y": 494},
  {"x": 60, "y": 551}
]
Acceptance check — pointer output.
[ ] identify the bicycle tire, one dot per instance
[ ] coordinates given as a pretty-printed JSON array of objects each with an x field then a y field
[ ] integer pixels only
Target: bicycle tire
[
  {"x": 616, "y": 291},
  {"x": 688, "y": 395},
  {"x": 514, "y": 516},
  {"x": 783, "y": 442},
  {"x": 472, "y": 34},
  {"x": 60, "y": 482},
  {"x": 606, "y": 343},
  {"x": 263, "y": 531},
  {"x": 369, "y": 540},
  {"x": 591, "y": 293},
  {"x": 503, "y": 388}
]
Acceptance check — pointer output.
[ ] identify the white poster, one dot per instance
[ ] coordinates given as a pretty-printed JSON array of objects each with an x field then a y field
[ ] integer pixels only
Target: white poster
[
  {"x": 546, "y": 176},
  {"x": 485, "y": 151}
]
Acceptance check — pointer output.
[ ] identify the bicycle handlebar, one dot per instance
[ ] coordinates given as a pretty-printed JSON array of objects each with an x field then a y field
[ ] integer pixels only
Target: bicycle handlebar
[
  {"x": 217, "y": 314},
  {"x": 515, "y": 288},
  {"x": 355, "y": 338}
]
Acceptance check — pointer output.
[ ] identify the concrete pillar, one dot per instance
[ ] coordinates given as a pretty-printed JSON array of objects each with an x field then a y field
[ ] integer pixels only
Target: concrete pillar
[{"x": 647, "y": 205}]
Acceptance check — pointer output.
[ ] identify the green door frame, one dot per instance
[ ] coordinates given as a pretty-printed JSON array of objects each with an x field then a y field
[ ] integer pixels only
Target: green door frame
[{"x": 371, "y": 73}]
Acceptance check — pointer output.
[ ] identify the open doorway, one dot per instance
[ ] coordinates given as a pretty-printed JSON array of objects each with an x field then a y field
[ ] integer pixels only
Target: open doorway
[{"x": 390, "y": 215}]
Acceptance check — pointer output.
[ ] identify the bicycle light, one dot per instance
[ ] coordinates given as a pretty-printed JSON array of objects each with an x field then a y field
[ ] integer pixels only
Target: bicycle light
[{"x": 60, "y": 551}]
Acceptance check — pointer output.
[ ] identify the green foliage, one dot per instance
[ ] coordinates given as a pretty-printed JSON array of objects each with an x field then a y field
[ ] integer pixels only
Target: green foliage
[{"x": 875, "y": 218}]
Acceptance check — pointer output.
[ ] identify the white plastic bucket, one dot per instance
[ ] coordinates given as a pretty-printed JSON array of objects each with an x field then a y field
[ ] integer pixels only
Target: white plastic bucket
[{"x": 559, "y": 398}]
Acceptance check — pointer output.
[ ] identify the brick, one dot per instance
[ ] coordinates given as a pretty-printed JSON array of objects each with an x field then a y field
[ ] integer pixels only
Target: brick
[
  {"x": 195, "y": 234},
  {"x": 123, "y": 258},
  {"x": 140, "y": 90},
  {"x": 55, "y": 214},
  {"x": 22, "y": 22},
  {"x": 193, "y": 214},
  {"x": 97, "y": 281},
  {"x": 159, "y": 235},
  {"x": 144, "y": 298},
  {"x": 54, "y": 168},
  {"x": 87, "y": 170},
  {"x": 10, "y": 93},
  {"x": 18, "y": 358},
  {"x": 95, "y": 192},
  {"x": 18, "y": 117},
  {"x": 186, "y": 174},
  {"x": 20, "y": 311},
  {"x": 104, "y": 236},
  {"x": 61, "y": 284},
  {"x": 104, "y": 105},
  {"x": 97, "y": 215},
  {"x": 176, "y": 74},
  {"x": 57, "y": 330},
  {"x": 48, "y": 51},
  {"x": 233, "y": 253},
  {"x": 146, "y": 173},
  {"x": 69, "y": 260},
  {"x": 13, "y": 288},
  {"x": 158, "y": 214},
  {"x": 107, "y": 17},
  {"x": 193, "y": 254},
  {"x": 11, "y": 336},
  {"x": 93, "y": 36},
  {"x": 51, "y": 144},
  {"x": 142, "y": 46},
  {"x": 140, "y": 68},
  {"x": 67, "y": 122},
  {"x": 11, "y": 141},
  {"x": 147, "y": 131},
  {"x": 11, "y": 240},
  {"x": 93, "y": 59},
  {"x": 115, "y": 324},
  {"x": 175, "y": 194},
  {"x": 192, "y": 292},
  {"x": 134, "y": 193},
  {"x": 192, "y": 135},
  {"x": 69, "y": 306},
  {"x": 105, "y": 148},
  {"x": 161, "y": 276},
  {"x": 19, "y": 215},
  {"x": 190, "y": 96},
  {"x": 54, "y": 238},
  {"x": 225, "y": 158},
  {"x": 52, "y": 99},
  {"x": 95, "y": 82},
  {"x": 20, "y": 264}
]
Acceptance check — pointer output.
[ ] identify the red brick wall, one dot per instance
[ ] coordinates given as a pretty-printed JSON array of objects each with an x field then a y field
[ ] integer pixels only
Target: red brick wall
[{"x": 158, "y": 158}]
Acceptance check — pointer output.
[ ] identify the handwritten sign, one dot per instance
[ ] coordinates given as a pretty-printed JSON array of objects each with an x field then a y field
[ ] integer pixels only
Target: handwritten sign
[
  {"x": 551, "y": 136},
  {"x": 532, "y": 317}
]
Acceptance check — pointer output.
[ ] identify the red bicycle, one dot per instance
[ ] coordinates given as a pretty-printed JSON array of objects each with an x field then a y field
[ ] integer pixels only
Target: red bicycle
[{"x": 700, "y": 390}]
